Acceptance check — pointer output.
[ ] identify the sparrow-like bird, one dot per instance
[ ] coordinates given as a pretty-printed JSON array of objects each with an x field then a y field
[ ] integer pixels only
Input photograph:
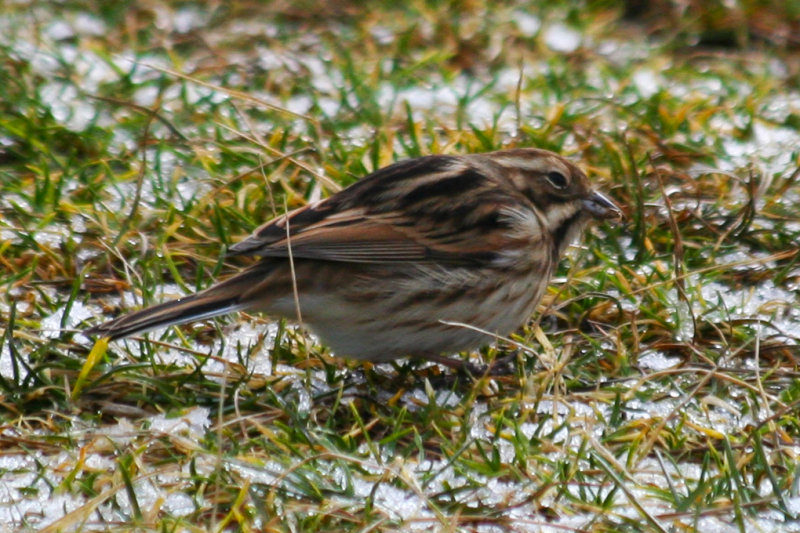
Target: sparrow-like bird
[{"x": 422, "y": 258}]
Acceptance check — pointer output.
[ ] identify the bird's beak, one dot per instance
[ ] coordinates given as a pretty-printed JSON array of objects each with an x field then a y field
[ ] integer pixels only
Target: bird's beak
[{"x": 599, "y": 206}]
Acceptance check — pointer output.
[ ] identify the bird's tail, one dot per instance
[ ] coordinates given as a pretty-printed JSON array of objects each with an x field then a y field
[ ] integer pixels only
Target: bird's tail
[{"x": 219, "y": 299}]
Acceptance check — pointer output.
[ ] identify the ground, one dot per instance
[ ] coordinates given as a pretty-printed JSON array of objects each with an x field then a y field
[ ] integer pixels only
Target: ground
[{"x": 655, "y": 389}]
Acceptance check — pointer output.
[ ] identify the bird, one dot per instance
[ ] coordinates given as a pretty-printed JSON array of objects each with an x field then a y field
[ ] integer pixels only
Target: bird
[{"x": 425, "y": 258}]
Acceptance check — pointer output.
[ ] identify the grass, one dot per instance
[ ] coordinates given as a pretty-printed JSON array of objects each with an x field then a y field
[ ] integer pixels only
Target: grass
[{"x": 657, "y": 390}]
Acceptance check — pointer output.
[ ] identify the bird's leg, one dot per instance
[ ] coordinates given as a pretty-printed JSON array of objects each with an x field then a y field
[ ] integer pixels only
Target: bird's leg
[
  {"x": 503, "y": 366},
  {"x": 499, "y": 367}
]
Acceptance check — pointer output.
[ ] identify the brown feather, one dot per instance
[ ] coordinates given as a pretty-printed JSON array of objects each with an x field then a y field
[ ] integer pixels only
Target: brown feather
[{"x": 384, "y": 268}]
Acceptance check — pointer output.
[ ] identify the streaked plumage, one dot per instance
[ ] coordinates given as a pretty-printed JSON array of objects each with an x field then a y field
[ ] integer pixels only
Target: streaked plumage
[{"x": 379, "y": 266}]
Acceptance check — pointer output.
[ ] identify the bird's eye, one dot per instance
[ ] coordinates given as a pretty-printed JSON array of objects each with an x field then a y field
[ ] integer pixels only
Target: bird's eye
[{"x": 557, "y": 180}]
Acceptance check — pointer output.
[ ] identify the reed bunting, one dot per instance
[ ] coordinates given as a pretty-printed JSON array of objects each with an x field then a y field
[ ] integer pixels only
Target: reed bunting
[{"x": 403, "y": 262}]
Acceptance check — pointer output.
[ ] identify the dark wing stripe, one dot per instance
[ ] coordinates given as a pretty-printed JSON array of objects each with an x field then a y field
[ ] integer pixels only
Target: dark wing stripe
[
  {"x": 384, "y": 181},
  {"x": 461, "y": 183},
  {"x": 434, "y": 209}
]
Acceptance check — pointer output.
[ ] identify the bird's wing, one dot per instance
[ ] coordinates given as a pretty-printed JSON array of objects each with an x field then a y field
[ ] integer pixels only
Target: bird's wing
[{"x": 436, "y": 208}]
